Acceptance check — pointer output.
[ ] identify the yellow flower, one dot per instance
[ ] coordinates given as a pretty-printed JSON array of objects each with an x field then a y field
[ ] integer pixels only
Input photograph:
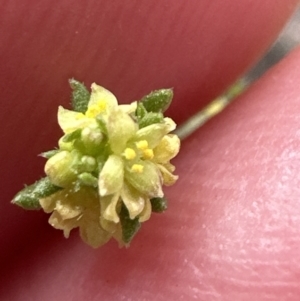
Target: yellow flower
[
  {"x": 105, "y": 160},
  {"x": 101, "y": 103}
]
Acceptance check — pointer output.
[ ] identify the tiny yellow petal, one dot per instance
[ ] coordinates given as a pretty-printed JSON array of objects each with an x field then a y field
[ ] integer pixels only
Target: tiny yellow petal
[
  {"x": 92, "y": 233},
  {"x": 152, "y": 134},
  {"x": 48, "y": 204},
  {"x": 67, "y": 211},
  {"x": 57, "y": 222},
  {"x": 171, "y": 125},
  {"x": 167, "y": 149},
  {"x": 100, "y": 94},
  {"x": 79, "y": 116},
  {"x": 133, "y": 200},
  {"x": 142, "y": 145},
  {"x": 129, "y": 153},
  {"x": 146, "y": 213},
  {"x": 108, "y": 225},
  {"x": 130, "y": 108},
  {"x": 69, "y": 121},
  {"x": 168, "y": 178},
  {"x": 138, "y": 168},
  {"x": 120, "y": 128},
  {"x": 111, "y": 176},
  {"x": 148, "y": 154},
  {"x": 108, "y": 206}
]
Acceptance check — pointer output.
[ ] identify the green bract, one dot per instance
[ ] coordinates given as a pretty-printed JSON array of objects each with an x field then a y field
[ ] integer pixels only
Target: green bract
[
  {"x": 110, "y": 166},
  {"x": 158, "y": 101},
  {"x": 80, "y": 96},
  {"x": 29, "y": 197}
]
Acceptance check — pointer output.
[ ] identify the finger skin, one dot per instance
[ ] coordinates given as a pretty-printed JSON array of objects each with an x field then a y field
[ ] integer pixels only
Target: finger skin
[{"x": 232, "y": 231}]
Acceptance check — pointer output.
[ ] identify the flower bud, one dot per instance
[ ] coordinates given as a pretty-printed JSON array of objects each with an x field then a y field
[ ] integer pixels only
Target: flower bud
[
  {"x": 88, "y": 179},
  {"x": 89, "y": 163},
  {"x": 65, "y": 146},
  {"x": 91, "y": 138},
  {"x": 58, "y": 169}
]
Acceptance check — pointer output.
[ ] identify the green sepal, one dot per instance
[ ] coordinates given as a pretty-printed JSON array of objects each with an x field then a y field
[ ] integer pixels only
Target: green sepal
[
  {"x": 140, "y": 111},
  {"x": 129, "y": 226},
  {"x": 151, "y": 118},
  {"x": 159, "y": 204},
  {"x": 72, "y": 136},
  {"x": 50, "y": 153},
  {"x": 28, "y": 198},
  {"x": 80, "y": 96},
  {"x": 158, "y": 100}
]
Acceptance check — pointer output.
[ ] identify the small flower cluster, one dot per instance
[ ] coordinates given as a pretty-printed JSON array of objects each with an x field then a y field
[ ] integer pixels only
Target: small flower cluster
[{"x": 106, "y": 176}]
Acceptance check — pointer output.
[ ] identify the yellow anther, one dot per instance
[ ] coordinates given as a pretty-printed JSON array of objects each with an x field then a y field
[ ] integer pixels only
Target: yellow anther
[
  {"x": 138, "y": 168},
  {"x": 129, "y": 153},
  {"x": 142, "y": 145},
  {"x": 148, "y": 154},
  {"x": 95, "y": 109}
]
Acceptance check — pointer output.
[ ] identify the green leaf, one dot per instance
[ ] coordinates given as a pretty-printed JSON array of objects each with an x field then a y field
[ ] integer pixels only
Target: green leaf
[
  {"x": 151, "y": 118},
  {"x": 158, "y": 101},
  {"x": 159, "y": 204},
  {"x": 28, "y": 198},
  {"x": 72, "y": 136},
  {"x": 129, "y": 226},
  {"x": 80, "y": 96},
  {"x": 49, "y": 154}
]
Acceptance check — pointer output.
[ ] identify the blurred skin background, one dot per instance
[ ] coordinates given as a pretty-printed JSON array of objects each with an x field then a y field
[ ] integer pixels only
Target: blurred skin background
[{"x": 232, "y": 231}]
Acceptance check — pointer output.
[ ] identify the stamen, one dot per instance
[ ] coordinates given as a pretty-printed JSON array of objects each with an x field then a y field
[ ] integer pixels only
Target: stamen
[
  {"x": 148, "y": 154},
  {"x": 95, "y": 109},
  {"x": 129, "y": 153},
  {"x": 138, "y": 168},
  {"x": 142, "y": 145}
]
